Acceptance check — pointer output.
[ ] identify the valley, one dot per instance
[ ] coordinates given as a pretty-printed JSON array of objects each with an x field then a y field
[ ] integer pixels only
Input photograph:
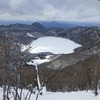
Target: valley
[{"x": 67, "y": 59}]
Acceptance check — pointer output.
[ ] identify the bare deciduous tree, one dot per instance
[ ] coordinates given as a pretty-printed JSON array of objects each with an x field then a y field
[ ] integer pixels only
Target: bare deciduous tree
[{"x": 12, "y": 60}]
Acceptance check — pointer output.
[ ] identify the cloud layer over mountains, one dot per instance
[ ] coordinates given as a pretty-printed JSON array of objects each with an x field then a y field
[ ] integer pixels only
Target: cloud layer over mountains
[{"x": 67, "y": 10}]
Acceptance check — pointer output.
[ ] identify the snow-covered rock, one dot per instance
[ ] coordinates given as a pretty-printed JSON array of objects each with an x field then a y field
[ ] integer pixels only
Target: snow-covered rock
[{"x": 30, "y": 35}]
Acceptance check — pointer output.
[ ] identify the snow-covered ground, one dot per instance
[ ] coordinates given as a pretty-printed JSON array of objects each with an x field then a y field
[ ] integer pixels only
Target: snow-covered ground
[
  {"x": 30, "y": 35},
  {"x": 38, "y": 61},
  {"x": 68, "y": 96},
  {"x": 81, "y": 95},
  {"x": 54, "y": 45}
]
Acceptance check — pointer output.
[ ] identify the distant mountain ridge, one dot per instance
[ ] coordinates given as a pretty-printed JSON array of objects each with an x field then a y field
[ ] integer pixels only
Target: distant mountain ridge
[
  {"x": 81, "y": 34},
  {"x": 34, "y": 27},
  {"x": 20, "y": 31},
  {"x": 64, "y": 24},
  {"x": 50, "y": 24}
]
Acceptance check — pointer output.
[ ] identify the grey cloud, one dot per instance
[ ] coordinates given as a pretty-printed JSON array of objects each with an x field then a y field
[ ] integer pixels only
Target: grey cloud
[
  {"x": 49, "y": 9},
  {"x": 4, "y": 5}
]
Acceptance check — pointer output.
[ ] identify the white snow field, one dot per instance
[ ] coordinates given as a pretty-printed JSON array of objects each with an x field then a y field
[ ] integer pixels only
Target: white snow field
[
  {"x": 30, "y": 35},
  {"x": 68, "y": 96},
  {"x": 80, "y": 95},
  {"x": 54, "y": 45},
  {"x": 38, "y": 61}
]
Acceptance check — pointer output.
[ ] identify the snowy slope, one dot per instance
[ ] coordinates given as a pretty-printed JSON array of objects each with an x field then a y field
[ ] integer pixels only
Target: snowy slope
[
  {"x": 80, "y": 95},
  {"x": 30, "y": 35},
  {"x": 38, "y": 61},
  {"x": 54, "y": 45}
]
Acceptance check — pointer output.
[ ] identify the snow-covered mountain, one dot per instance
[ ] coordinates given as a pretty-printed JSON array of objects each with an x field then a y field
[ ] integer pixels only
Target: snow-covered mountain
[
  {"x": 73, "y": 61},
  {"x": 54, "y": 45}
]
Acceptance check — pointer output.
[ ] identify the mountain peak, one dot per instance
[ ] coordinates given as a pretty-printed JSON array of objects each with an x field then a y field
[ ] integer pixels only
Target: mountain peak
[{"x": 38, "y": 25}]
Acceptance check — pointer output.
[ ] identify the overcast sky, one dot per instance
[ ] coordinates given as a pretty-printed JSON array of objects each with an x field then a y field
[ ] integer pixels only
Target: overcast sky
[{"x": 39, "y": 10}]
